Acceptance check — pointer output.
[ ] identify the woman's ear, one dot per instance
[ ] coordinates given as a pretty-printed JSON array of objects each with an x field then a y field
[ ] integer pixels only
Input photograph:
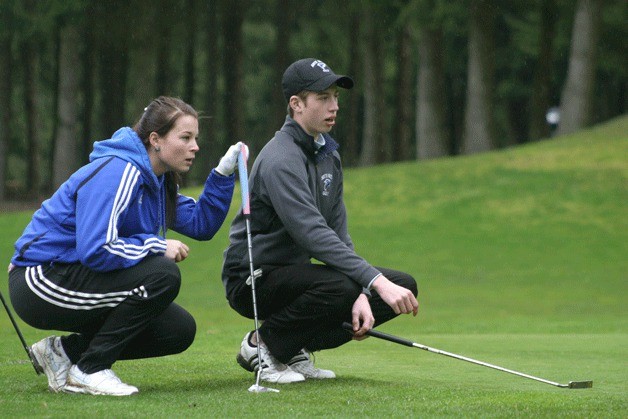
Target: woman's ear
[{"x": 153, "y": 140}]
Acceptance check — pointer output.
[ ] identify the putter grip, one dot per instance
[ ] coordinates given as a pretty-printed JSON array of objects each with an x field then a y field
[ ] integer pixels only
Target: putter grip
[
  {"x": 381, "y": 335},
  {"x": 244, "y": 180}
]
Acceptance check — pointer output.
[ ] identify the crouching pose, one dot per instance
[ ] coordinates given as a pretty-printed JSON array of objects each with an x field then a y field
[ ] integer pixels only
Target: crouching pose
[
  {"x": 95, "y": 261},
  {"x": 298, "y": 214}
]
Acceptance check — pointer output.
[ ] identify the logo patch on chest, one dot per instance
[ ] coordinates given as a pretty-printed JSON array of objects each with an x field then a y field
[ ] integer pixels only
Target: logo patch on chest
[{"x": 327, "y": 180}]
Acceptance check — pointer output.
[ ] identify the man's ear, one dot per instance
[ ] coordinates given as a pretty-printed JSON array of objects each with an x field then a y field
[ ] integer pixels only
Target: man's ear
[{"x": 296, "y": 103}]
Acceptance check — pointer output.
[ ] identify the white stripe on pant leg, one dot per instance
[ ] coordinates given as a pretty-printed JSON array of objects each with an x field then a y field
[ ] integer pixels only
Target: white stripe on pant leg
[
  {"x": 40, "y": 275},
  {"x": 86, "y": 301}
]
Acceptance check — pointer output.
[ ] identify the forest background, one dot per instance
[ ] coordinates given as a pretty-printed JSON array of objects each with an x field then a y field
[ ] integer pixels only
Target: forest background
[{"x": 434, "y": 78}]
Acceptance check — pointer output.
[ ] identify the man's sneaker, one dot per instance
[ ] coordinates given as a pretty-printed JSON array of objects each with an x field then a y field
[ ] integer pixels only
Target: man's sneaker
[
  {"x": 105, "y": 383},
  {"x": 303, "y": 364},
  {"x": 50, "y": 355},
  {"x": 273, "y": 371}
]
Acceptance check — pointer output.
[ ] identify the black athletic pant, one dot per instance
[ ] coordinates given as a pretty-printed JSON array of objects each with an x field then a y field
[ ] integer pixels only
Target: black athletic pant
[
  {"x": 122, "y": 314},
  {"x": 304, "y": 306}
]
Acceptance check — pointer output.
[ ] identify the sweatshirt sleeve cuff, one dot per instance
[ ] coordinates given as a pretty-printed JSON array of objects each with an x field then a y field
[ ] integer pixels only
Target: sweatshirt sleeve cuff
[
  {"x": 370, "y": 285},
  {"x": 218, "y": 177}
]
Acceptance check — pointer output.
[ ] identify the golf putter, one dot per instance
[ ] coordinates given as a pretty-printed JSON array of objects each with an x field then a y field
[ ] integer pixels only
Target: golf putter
[
  {"x": 36, "y": 366},
  {"x": 246, "y": 211},
  {"x": 405, "y": 342}
]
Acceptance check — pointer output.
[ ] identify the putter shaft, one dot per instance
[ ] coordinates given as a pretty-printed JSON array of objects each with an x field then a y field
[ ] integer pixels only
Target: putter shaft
[
  {"x": 405, "y": 342},
  {"x": 36, "y": 366}
]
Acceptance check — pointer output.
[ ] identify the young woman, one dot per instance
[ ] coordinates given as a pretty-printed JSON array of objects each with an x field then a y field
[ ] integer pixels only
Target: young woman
[{"x": 95, "y": 261}]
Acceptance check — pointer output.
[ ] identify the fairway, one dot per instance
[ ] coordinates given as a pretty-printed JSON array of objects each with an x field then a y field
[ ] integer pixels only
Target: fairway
[{"x": 520, "y": 256}]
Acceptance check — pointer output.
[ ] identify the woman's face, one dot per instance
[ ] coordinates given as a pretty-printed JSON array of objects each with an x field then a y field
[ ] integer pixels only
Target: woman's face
[{"x": 177, "y": 148}]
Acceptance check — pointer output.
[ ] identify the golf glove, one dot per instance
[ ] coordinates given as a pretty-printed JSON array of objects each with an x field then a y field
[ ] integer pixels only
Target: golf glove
[{"x": 229, "y": 161}]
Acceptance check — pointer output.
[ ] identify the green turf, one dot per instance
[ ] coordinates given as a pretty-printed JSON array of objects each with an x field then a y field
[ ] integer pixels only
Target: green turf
[{"x": 521, "y": 261}]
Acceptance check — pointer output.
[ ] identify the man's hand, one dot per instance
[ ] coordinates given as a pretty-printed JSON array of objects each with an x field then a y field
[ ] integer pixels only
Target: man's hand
[
  {"x": 176, "y": 250},
  {"x": 361, "y": 317},
  {"x": 400, "y": 299}
]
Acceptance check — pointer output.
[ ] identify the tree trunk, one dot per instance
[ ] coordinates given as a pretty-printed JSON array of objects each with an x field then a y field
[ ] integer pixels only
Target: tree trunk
[
  {"x": 431, "y": 130},
  {"x": 576, "y": 101},
  {"x": 113, "y": 65},
  {"x": 190, "y": 53},
  {"x": 285, "y": 17},
  {"x": 6, "y": 89},
  {"x": 163, "y": 82},
  {"x": 234, "y": 93},
  {"x": 65, "y": 160},
  {"x": 87, "y": 87},
  {"x": 210, "y": 145},
  {"x": 28, "y": 58},
  {"x": 540, "y": 101},
  {"x": 351, "y": 142},
  {"x": 113, "y": 70},
  {"x": 53, "y": 111},
  {"x": 373, "y": 95},
  {"x": 479, "y": 130},
  {"x": 402, "y": 138}
]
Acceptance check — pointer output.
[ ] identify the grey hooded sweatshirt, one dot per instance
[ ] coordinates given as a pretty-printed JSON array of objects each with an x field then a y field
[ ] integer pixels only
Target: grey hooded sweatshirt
[{"x": 297, "y": 211}]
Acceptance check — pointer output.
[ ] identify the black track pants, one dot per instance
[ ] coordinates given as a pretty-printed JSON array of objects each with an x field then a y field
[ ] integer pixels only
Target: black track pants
[
  {"x": 304, "y": 306},
  {"x": 122, "y": 314}
]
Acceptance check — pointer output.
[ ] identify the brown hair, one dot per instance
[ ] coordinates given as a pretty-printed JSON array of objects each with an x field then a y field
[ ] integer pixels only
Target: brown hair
[{"x": 159, "y": 117}]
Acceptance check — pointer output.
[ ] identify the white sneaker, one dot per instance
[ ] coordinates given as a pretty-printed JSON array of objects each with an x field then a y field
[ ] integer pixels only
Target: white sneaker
[
  {"x": 105, "y": 383},
  {"x": 273, "y": 371},
  {"x": 303, "y": 363},
  {"x": 50, "y": 355}
]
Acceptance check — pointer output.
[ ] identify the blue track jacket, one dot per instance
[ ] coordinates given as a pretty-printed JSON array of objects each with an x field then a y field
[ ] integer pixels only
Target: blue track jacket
[{"x": 110, "y": 214}]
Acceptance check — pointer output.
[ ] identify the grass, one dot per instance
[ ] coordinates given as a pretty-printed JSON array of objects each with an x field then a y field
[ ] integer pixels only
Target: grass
[{"x": 521, "y": 261}]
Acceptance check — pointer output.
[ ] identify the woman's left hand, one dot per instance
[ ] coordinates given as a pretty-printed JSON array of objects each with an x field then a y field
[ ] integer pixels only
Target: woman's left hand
[
  {"x": 229, "y": 161},
  {"x": 176, "y": 250}
]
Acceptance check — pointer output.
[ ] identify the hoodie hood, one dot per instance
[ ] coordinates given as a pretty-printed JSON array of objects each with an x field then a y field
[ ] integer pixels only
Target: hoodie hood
[{"x": 125, "y": 144}]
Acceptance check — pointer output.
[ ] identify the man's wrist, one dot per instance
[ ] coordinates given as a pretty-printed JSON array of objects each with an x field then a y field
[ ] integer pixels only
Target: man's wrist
[{"x": 370, "y": 285}]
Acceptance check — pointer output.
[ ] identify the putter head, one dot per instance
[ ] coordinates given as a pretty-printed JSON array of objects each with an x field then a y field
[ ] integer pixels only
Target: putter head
[
  {"x": 38, "y": 368},
  {"x": 256, "y": 388},
  {"x": 580, "y": 384}
]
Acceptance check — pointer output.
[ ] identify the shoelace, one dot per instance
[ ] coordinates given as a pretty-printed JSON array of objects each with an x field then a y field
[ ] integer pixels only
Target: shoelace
[
  {"x": 308, "y": 362},
  {"x": 268, "y": 358},
  {"x": 111, "y": 376}
]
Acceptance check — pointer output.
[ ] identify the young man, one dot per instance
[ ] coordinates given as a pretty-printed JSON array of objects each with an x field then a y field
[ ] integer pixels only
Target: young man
[{"x": 298, "y": 214}]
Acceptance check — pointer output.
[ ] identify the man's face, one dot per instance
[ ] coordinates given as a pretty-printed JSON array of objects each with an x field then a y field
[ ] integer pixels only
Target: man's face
[{"x": 317, "y": 113}]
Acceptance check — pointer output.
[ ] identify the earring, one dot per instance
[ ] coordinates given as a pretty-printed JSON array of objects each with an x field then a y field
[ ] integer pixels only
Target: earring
[{"x": 157, "y": 149}]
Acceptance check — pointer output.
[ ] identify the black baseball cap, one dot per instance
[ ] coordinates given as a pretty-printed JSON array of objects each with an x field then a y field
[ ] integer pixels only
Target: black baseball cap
[{"x": 313, "y": 75}]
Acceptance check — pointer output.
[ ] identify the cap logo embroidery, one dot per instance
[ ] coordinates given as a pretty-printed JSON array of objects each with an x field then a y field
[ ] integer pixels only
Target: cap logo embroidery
[{"x": 320, "y": 64}]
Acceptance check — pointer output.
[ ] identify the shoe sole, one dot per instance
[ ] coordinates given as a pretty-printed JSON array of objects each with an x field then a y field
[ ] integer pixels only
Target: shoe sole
[
  {"x": 243, "y": 363},
  {"x": 82, "y": 390}
]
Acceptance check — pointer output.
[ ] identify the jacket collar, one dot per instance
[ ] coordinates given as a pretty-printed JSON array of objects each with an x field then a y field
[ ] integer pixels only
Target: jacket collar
[{"x": 306, "y": 141}]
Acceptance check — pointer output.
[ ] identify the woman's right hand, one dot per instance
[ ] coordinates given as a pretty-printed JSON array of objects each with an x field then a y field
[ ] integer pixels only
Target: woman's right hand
[{"x": 176, "y": 250}]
